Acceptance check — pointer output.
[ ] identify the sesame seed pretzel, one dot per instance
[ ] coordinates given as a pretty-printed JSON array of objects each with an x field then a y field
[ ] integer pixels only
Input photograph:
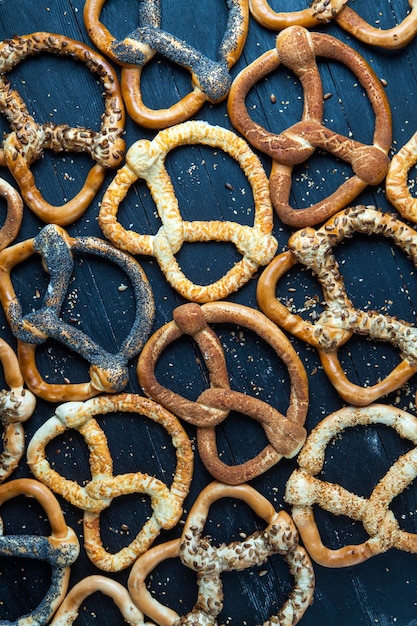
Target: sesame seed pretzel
[
  {"x": 396, "y": 182},
  {"x": 285, "y": 434},
  {"x": 210, "y": 79},
  {"x": 145, "y": 160},
  {"x": 97, "y": 494},
  {"x": 108, "y": 371},
  {"x": 304, "y": 489},
  {"x": 27, "y": 140},
  {"x": 59, "y": 550},
  {"x": 323, "y": 11},
  {"x": 17, "y": 405},
  {"x": 340, "y": 319},
  {"x": 297, "y": 48},
  {"x": 198, "y": 553},
  {"x": 14, "y": 214}
]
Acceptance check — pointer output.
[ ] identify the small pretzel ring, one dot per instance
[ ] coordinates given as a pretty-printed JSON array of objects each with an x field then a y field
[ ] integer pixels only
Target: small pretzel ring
[
  {"x": 396, "y": 182},
  {"x": 14, "y": 215}
]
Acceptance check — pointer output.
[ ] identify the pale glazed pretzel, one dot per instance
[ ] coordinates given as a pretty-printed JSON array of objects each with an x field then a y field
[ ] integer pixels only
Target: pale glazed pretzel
[
  {"x": 98, "y": 493},
  {"x": 69, "y": 609},
  {"x": 304, "y": 489},
  {"x": 285, "y": 434},
  {"x": 340, "y": 319},
  {"x": 198, "y": 553},
  {"x": 28, "y": 139},
  {"x": 108, "y": 372},
  {"x": 145, "y": 160},
  {"x": 396, "y": 182},
  {"x": 14, "y": 214},
  {"x": 210, "y": 79},
  {"x": 322, "y": 11},
  {"x": 60, "y": 549},
  {"x": 17, "y": 405},
  {"x": 297, "y": 49}
]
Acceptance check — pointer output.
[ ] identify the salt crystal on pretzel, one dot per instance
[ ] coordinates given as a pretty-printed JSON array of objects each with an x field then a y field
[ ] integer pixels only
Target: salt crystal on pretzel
[
  {"x": 145, "y": 160},
  {"x": 198, "y": 553},
  {"x": 396, "y": 182},
  {"x": 305, "y": 490}
]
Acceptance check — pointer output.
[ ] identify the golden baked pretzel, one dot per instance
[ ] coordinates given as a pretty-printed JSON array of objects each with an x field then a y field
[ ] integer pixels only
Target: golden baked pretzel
[
  {"x": 14, "y": 214},
  {"x": 198, "y": 553},
  {"x": 108, "y": 372},
  {"x": 210, "y": 79},
  {"x": 322, "y": 11},
  {"x": 145, "y": 160},
  {"x": 340, "y": 319},
  {"x": 17, "y": 405},
  {"x": 297, "y": 49},
  {"x": 304, "y": 489},
  {"x": 285, "y": 434},
  {"x": 97, "y": 494},
  {"x": 27, "y": 140},
  {"x": 396, "y": 182},
  {"x": 59, "y": 550}
]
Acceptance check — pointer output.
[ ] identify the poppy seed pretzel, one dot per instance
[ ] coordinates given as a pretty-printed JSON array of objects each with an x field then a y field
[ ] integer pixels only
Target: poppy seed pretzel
[
  {"x": 285, "y": 434},
  {"x": 304, "y": 489},
  {"x": 145, "y": 160},
  {"x": 297, "y": 49},
  {"x": 198, "y": 553},
  {"x": 210, "y": 79},
  {"x": 97, "y": 494},
  {"x": 108, "y": 371},
  {"x": 396, "y": 181},
  {"x": 340, "y": 319},
  {"x": 27, "y": 140},
  {"x": 322, "y": 11}
]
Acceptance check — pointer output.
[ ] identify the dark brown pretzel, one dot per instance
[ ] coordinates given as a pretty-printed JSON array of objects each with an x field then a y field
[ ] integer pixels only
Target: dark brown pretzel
[{"x": 297, "y": 49}]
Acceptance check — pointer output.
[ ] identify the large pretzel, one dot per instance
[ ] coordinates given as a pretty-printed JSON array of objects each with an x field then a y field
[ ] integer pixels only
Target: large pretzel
[
  {"x": 145, "y": 160},
  {"x": 17, "y": 405},
  {"x": 285, "y": 434},
  {"x": 323, "y": 11},
  {"x": 210, "y": 79},
  {"x": 340, "y": 319},
  {"x": 304, "y": 489},
  {"x": 27, "y": 140},
  {"x": 199, "y": 554},
  {"x": 297, "y": 49},
  {"x": 95, "y": 496},
  {"x": 59, "y": 550},
  {"x": 14, "y": 214},
  {"x": 396, "y": 182},
  {"x": 108, "y": 371}
]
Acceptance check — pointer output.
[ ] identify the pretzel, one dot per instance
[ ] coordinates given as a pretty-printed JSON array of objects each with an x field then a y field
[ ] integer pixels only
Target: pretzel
[
  {"x": 210, "y": 79},
  {"x": 340, "y": 319},
  {"x": 17, "y": 405},
  {"x": 27, "y": 140},
  {"x": 304, "y": 489},
  {"x": 322, "y": 11},
  {"x": 59, "y": 550},
  {"x": 97, "y": 494},
  {"x": 108, "y": 372},
  {"x": 396, "y": 182},
  {"x": 146, "y": 160},
  {"x": 296, "y": 48},
  {"x": 14, "y": 214},
  {"x": 69, "y": 609},
  {"x": 285, "y": 434},
  {"x": 198, "y": 553}
]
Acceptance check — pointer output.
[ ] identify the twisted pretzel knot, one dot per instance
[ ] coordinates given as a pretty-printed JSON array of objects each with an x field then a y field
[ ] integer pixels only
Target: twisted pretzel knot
[
  {"x": 108, "y": 371},
  {"x": 98, "y": 493},
  {"x": 210, "y": 79},
  {"x": 198, "y": 553},
  {"x": 17, "y": 405},
  {"x": 396, "y": 182},
  {"x": 340, "y": 319},
  {"x": 297, "y": 49},
  {"x": 28, "y": 139},
  {"x": 285, "y": 433},
  {"x": 146, "y": 160},
  {"x": 305, "y": 490},
  {"x": 60, "y": 549},
  {"x": 14, "y": 214},
  {"x": 322, "y": 11}
]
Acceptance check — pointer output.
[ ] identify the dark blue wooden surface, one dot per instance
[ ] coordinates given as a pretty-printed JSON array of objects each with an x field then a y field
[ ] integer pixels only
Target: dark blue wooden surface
[{"x": 381, "y": 591}]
